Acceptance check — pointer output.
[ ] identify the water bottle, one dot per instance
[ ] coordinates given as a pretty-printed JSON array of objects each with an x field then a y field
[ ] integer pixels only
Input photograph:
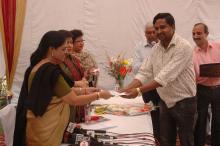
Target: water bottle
[{"x": 87, "y": 113}]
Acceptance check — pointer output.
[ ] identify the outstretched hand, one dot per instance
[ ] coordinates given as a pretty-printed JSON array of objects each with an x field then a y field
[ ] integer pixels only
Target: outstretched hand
[
  {"x": 132, "y": 93},
  {"x": 121, "y": 90},
  {"x": 82, "y": 83},
  {"x": 91, "y": 90},
  {"x": 105, "y": 94}
]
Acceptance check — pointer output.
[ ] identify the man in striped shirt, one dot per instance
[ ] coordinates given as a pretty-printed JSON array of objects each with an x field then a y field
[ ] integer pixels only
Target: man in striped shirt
[
  {"x": 170, "y": 70},
  {"x": 142, "y": 51}
]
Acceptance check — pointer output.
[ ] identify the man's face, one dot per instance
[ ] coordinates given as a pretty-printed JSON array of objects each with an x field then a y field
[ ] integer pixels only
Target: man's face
[
  {"x": 150, "y": 34},
  {"x": 164, "y": 31},
  {"x": 199, "y": 35}
]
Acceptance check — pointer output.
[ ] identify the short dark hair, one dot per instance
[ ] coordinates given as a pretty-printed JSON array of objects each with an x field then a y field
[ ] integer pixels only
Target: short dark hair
[
  {"x": 76, "y": 33},
  {"x": 66, "y": 33},
  {"x": 167, "y": 16},
  {"x": 206, "y": 29}
]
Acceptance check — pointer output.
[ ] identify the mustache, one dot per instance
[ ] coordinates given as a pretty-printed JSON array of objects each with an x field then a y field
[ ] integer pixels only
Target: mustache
[{"x": 196, "y": 38}]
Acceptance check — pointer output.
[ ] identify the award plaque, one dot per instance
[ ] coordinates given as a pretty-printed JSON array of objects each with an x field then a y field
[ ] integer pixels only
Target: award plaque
[{"x": 210, "y": 70}]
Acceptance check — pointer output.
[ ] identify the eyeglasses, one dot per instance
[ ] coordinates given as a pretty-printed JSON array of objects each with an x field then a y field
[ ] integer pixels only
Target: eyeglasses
[{"x": 80, "y": 41}]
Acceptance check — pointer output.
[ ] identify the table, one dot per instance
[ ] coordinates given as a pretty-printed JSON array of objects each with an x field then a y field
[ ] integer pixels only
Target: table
[
  {"x": 116, "y": 124},
  {"x": 123, "y": 124}
]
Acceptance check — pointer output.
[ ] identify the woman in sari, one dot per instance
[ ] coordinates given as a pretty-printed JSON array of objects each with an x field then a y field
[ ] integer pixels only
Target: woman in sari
[
  {"x": 73, "y": 69},
  {"x": 87, "y": 61},
  {"x": 71, "y": 65},
  {"x": 43, "y": 106}
]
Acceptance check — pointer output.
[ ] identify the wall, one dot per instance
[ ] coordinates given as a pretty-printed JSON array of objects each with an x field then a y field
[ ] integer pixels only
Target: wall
[{"x": 109, "y": 25}]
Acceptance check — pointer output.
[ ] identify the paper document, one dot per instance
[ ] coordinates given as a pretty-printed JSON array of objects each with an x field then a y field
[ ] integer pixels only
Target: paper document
[{"x": 115, "y": 93}]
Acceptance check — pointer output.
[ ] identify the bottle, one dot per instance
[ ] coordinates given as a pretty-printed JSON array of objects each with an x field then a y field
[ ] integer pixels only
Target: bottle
[{"x": 87, "y": 113}]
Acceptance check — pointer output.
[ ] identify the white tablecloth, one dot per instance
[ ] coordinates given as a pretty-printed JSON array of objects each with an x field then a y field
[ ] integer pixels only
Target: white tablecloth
[
  {"x": 7, "y": 119},
  {"x": 123, "y": 124},
  {"x": 116, "y": 124}
]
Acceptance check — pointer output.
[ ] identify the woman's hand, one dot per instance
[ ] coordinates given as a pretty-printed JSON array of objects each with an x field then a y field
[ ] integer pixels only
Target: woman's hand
[
  {"x": 82, "y": 83},
  {"x": 93, "y": 71},
  {"x": 91, "y": 90}
]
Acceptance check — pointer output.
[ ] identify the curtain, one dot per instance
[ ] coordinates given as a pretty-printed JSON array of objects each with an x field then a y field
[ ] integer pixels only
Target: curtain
[{"x": 12, "y": 15}]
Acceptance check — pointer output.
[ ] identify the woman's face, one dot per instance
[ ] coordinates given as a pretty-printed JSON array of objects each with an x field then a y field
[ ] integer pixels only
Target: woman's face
[
  {"x": 78, "y": 44},
  {"x": 59, "y": 53},
  {"x": 69, "y": 44}
]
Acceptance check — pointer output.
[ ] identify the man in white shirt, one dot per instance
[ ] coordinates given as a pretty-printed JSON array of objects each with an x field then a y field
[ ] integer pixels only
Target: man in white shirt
[
  {"x": 143, "y": 48},
  {"x": 142, "y": 52},
  {"x": 169, "y": 69}
]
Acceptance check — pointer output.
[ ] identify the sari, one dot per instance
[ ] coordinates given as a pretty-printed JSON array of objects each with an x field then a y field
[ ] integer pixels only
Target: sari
[
  {"x": 72, "y": 68},
  {"x": 42, "y": 115},
  {"x": 88, "y": 62}
]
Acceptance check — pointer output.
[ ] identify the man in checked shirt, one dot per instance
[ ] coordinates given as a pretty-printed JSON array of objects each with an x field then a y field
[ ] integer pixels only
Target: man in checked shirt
[
  {"x": 142, "y": 51},
  {"x": 169, "y": 69}
]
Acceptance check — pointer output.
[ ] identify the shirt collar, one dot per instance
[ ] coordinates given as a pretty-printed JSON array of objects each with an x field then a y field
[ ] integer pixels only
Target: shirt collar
[
  {"x": 210, "y": 46},
  {"x": 172, "y": 42},
  {"x": 150, "y": 44}
]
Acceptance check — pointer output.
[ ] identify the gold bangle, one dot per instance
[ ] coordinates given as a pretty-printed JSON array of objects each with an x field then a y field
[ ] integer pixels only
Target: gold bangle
[
  {"x": 98, "y": 96},
  {"x": 80, "y": 91},
  {"x": 139, "y": 91}
]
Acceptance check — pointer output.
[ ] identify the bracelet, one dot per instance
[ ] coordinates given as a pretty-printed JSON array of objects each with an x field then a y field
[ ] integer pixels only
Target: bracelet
[
  {"x": 98, "y": 96},
  {"x": 80, "y": 91},
  {"x": 139, "y": 91}
]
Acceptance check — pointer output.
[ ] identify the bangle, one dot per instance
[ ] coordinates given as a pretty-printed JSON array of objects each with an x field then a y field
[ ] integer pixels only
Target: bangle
[
  {"x": 98, "y": 96},
  {"x": 80, "y": 91},
  {"x": 139, "y": 91},
  {"x": 85, "y": 91}
]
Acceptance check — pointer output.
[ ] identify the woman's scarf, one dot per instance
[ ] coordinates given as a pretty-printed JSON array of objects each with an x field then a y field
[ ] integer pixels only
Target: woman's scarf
[
  {"x": 73, "y": 64},
  {"x": 37, "y": 98}
]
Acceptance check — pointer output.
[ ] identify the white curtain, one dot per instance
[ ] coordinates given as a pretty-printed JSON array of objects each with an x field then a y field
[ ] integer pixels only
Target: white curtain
[{"x": 109, "y": 25}]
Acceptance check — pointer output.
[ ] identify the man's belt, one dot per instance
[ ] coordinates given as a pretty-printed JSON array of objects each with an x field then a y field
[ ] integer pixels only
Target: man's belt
[
  {"x": 208, "y": 87},
  {"x": 210, "y": 70}
]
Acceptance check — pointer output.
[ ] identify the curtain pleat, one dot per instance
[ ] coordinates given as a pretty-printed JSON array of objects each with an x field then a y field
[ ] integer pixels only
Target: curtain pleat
[
  {"x": 11, "y": 23},
  {"x": 8, "y": 8},
  {"x": 19, "y": 23}
]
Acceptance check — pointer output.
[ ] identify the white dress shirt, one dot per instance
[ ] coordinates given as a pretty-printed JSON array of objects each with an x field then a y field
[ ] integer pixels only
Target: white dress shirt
[
  {"x": 173, "y": 69},
  {"x": 142, "y": 52}
]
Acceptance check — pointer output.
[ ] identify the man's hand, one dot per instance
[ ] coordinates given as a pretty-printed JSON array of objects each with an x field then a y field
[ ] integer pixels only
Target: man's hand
[
  {"x": 132, "y": 93},
  {"x": 134, "y": 84},
  {"x": 125, "y": 89}
]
